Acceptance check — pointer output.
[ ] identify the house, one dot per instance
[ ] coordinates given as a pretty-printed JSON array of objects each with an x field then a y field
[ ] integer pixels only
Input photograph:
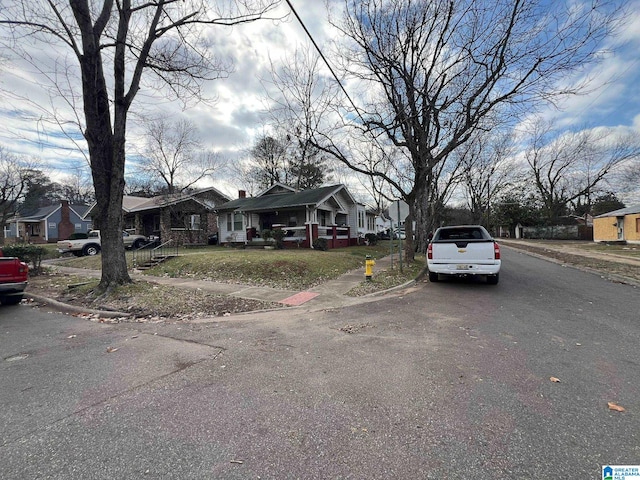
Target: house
[
  {"x": 49, "y": 224},
  {"x": 621, "y": 225},
  {"x": 327, "y": 212},
  {"x": 186, "y": 218}
]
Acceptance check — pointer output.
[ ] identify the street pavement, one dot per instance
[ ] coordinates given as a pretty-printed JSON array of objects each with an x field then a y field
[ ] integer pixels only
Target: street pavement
[
  {"x": 442, "y": 380},
  {"x": 330, "y": 294}
]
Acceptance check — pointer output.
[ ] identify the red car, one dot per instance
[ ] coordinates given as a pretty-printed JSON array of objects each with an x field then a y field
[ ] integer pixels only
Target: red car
[{"x": 13, "y": 279}]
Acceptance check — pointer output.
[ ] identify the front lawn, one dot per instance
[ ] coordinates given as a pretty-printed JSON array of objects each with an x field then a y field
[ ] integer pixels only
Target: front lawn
[{"x": 289, "y": 269}]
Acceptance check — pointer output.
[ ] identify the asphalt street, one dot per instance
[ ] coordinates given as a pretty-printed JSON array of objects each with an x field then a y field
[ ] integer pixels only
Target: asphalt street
[{"x": 441, "y": 380}]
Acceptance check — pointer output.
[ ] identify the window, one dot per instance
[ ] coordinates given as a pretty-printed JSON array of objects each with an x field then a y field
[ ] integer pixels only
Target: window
[
  {"x": 360, "y": 219},
  {"x": 234, "y": 222},
  {"x": 194, "y": 222}
]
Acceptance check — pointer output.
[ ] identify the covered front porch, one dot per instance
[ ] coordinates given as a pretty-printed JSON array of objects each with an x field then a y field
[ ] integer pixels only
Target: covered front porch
[
  {"x": 303, "y": 236},
  {"x": 301, "y": 227}
]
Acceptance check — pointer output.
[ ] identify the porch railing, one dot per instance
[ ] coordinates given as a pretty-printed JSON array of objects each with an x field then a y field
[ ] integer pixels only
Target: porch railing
[
  {"x": 145, "y": 255},
  {"x": 328, "y": 232}
]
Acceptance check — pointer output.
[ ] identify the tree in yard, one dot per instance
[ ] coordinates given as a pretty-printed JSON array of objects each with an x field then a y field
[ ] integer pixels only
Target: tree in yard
[
  {"x": 516, "y": 207},
  {"x": 76, "y": 186},
  {"x": 604, "y": 203},
  {"x": 174, "y": 157},
  {"x": 13, "y": 185},
  {"x": 115, "y": 44},
  {"x": 431, "y": 74},
  {"x": 569, "y": 170},
  {"x": 301, "y": 103},
  {"x": 40, "y": 191},
  {"x": 487, "y": 170},
  {"x": 270, "y": 166}
]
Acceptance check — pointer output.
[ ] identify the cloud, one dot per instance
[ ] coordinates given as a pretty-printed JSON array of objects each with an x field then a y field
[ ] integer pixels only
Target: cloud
[{"x": 230, "y": 122}]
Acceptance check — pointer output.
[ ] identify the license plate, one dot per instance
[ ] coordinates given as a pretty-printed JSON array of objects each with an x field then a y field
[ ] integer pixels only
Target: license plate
[{"x": 462, "y": 267}]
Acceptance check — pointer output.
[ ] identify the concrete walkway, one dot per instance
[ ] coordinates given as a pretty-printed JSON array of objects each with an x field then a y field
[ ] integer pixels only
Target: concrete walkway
[{"x": 328, "y": 295}]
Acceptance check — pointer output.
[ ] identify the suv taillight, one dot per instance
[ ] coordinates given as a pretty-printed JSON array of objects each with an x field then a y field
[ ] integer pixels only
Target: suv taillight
[
  {"x": 496, "y": 251},
  {"x": 430, "y": 251}
]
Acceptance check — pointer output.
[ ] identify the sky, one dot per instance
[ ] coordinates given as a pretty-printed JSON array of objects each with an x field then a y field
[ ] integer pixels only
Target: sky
[{"x": 230, "y": 124}]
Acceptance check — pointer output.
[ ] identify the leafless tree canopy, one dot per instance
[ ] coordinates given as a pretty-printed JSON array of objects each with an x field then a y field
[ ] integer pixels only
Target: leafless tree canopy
[
  {"x": 431, "y": 73},
  {"x": 115, "y": 43},
  {"x": 575, "y": 166},
  {"x": 174, "y": 157},
  {"x": 14, "y": 179}
]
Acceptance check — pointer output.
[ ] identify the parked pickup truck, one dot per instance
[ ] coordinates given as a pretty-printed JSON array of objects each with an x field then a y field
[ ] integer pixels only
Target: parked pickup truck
[
  {"x": 13, "y": 279},
  {"x": 463, "y": 250},
  {"x": 91, "y": 245}
]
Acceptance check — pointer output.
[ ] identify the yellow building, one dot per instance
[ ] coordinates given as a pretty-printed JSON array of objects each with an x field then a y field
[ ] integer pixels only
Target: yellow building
[{"x": 618, "y": 226}]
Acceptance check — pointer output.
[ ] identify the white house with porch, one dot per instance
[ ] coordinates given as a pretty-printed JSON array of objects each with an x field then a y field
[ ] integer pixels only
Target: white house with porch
[{"x": 328, "y": 212}]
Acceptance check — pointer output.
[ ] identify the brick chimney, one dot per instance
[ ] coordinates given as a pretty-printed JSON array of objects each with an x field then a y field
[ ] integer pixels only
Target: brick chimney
[
  {"x": 242, "y": 194},
  {"x": 65, "y": 227}
]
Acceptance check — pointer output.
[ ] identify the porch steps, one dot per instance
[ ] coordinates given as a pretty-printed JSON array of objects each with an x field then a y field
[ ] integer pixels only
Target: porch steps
[{"x": 155, "y": 260}]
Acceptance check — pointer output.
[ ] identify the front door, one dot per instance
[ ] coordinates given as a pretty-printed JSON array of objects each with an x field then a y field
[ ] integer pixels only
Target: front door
[
  {"x": 267, "y": 220},
  {"x": 620, "y": 228}
]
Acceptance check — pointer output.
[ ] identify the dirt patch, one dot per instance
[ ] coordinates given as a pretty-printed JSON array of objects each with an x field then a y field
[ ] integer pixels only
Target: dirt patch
[{"x": 142, "y": 300}]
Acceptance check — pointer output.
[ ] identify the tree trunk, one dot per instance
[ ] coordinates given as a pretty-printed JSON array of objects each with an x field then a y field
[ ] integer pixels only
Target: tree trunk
[
  {"x": 107, "y": 154},
  {"x": 424, "y": 216}
]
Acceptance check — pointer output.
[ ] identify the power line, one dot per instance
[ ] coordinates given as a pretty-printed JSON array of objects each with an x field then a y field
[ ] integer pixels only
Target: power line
[{"x": 324, "y": 59}]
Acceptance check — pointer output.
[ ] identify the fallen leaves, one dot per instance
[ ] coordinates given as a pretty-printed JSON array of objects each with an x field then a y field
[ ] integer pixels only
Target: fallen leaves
[
  {"x": 112, "y": 349},
  {"x": 615, "y": 407},
  {"x": 612, "y": 406}
]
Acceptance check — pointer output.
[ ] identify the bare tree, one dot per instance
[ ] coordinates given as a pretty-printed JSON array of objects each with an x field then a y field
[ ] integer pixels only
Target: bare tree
[
  {"x": 14, "y": 179},
  {"x": 627, "y": 178},
  {"x": 270, "y": 162},
  {"x": 115, "y": 43},
  {"x": 175, "y": 157},
  {"x": 304, "y": 98},
  {"x": 571, "y": 168},
  {"x": 487, "y": 170},
  {"x": 430, "y": 74},
  {"x": 77, "y": 187}
]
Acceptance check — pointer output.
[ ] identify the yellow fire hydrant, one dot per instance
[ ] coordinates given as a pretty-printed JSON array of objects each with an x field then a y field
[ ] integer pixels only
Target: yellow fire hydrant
[{"x": 368, "y": 267}]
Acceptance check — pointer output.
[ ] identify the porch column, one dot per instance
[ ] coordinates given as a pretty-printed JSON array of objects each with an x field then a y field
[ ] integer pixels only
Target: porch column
[
  {"x": 165, "y": 225},
  {"x": 137, "y": 224}
]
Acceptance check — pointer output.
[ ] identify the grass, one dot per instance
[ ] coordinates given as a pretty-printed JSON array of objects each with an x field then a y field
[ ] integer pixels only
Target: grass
[
  {"x": 291, "y": 268},
  {"x": 624, "y": 250},
  {"x": 385, "y": 279}
]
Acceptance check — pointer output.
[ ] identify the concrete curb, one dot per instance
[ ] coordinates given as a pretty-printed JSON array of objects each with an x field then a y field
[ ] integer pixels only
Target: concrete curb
[{"x": 65, "y": 307}]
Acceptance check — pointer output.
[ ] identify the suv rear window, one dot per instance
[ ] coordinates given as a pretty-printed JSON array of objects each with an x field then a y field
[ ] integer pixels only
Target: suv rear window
[{"x": 461, "y": 233}]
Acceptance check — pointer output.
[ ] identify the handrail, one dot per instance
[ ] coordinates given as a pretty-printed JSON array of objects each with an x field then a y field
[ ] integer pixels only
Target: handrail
[{"x": 144, "y": 255}]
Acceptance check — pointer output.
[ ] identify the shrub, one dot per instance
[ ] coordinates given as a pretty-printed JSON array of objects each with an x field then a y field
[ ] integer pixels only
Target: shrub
[
  {"x": 278, "y": 235},
  {"x": 371, "y": 238},
  {"x": 32, "y": 254},
  {"x": 321, "y": 244},
  {"x": 266, "y": 234}
]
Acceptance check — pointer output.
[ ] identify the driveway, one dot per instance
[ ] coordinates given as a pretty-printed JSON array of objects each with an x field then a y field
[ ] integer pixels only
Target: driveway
[{"x": 447, "y": 380}]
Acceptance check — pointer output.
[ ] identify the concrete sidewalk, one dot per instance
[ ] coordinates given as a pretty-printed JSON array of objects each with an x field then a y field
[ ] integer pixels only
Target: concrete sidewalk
[{"x": 331, "y": 294}]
